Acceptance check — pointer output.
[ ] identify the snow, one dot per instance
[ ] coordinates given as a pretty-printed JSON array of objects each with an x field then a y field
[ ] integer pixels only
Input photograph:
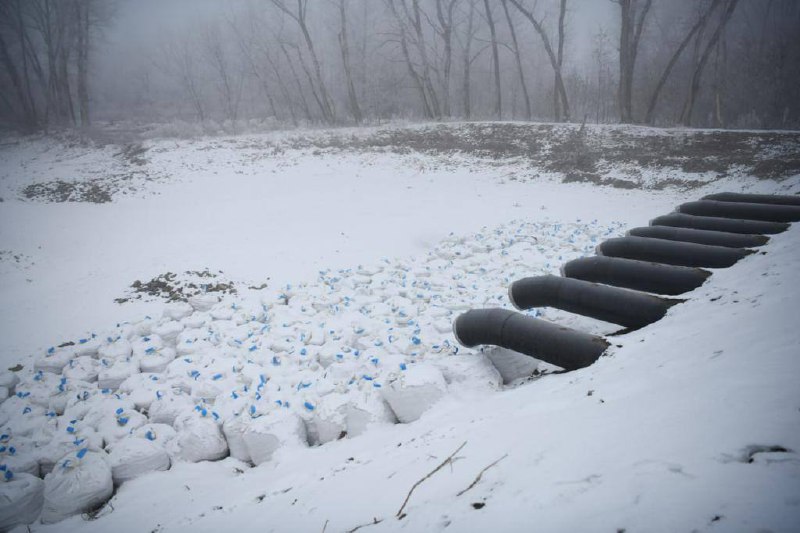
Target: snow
[{"x": 341, "y": 379}]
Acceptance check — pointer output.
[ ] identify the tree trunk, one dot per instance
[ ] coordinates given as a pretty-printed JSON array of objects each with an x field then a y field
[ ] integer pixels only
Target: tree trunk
[
  {"x": 498, "y": 102},
  {"x": 554, "y": 61},
  {"x": 416, "y": 77},
  {"x": 631, "y": 27},
  {"x": 662, "y": 80},
  {"x": 697, "y": 74},
  {"x": 518, "y": 57},
  {"x": 468, "y": 62},
  {"x": 82, "y": 28},
  {"x": 298, "y": 85},
  {"x": 343, "y": 46},
  {"x": 446, "y": 23}
]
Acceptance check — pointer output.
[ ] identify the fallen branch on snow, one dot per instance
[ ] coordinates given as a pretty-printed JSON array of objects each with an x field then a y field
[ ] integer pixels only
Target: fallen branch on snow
[
  {"x": 449, "y": 459},
  {"x": 480, "y": 474}
]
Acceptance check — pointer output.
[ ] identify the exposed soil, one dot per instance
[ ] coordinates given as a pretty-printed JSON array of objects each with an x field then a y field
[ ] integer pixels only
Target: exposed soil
[
  {"x": 178, "y": 288},
  {"x": 100, "y": 190},
  {"x": 587, "y": 153}
]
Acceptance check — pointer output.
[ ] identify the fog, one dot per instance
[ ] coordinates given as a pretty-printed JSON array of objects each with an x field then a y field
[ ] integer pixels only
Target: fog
[{"x": 242, "y": 64}]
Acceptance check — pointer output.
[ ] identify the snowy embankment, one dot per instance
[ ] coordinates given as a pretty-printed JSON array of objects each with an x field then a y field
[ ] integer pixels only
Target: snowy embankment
[{"x": 351, "y": 334}]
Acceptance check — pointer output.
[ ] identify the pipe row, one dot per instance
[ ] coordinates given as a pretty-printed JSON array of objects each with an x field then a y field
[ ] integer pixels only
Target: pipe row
[{"x": 665, "y": 258}]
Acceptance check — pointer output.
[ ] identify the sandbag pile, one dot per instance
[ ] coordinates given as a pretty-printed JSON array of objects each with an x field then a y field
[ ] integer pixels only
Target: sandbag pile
[{"x": 313, "y": 363}]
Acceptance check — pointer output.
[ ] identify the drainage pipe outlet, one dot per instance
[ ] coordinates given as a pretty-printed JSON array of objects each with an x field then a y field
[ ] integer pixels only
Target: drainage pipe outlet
[
  {"x": 637, "y": 275},
  {"x": 672, "y": 252},
  {"x": 700, "y": 236},
  {"x": 730, "y": 225},
  {"x": 768, "y": 212},
  {"x": 631, "y": 309},
  {"x": 778, "y": 199},
  {"x": 557, "y": 345}
]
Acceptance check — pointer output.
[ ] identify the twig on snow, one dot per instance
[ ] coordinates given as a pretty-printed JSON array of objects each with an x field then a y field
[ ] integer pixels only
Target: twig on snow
[
  {"x": 374, "y": 521},
  {"x": 480, "y": 474},
  {"x": 325, "y": 526},
  {"x": 449, "y": 459}
]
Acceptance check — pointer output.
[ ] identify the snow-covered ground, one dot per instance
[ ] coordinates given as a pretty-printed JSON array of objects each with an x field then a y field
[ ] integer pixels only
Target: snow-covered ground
[{"x": 367, "y": 257}]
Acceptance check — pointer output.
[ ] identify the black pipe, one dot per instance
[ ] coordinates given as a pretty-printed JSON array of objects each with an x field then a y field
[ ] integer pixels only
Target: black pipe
[
  {"x": 700, "y": 236},
  {"x": 730, "y": 225},
  {"x": 775, "y": 199},
  {"x": 672, "y": 252},
  {"x": 637, "y": 275},
  {"x": 557, "y": 345},
  {"x": 631, "y": 309},
  {"x": 713, "y": 208}
]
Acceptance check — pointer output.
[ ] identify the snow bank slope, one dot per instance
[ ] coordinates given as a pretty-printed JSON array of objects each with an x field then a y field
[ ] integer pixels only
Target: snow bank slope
[{"x": 671, "y": 432}]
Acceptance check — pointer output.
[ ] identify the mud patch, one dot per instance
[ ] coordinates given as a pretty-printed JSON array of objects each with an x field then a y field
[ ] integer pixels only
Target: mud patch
[
  {"x": 588, "y": 153},
  {"x": 94, "y": 191},
  {"x": 173, "y": 287}
]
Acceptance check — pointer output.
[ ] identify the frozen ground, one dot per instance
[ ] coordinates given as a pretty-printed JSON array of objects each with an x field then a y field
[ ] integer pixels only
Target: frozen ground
[{"x": 324, "y": 246}]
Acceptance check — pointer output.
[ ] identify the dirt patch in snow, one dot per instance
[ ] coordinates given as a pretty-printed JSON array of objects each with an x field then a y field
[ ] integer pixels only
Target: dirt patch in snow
[
  {"x": 173, "y": 287},
  {"x": 610, "y": 156},
  {"x": 127, "y": 176}
]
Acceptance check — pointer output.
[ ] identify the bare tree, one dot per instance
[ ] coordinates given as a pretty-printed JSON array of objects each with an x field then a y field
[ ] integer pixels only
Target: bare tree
[
  {"x": 560, "y": 102},
  {"x": 697, "y": 72},
  {"x": 299, "y": 15},
  {"x": 444, "y": 16},
  {"x": 498, "y": 96},
  {"x": 355, "y": 109},
  {"x": 632, "y": 20},
  {"x": 518, "y": 58},
  {"x": 409, "y": 28},
  {"x": 662, "y": 80}
]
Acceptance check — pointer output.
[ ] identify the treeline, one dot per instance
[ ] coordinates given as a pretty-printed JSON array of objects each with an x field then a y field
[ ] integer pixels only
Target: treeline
[{"x": 710, "y": 63}]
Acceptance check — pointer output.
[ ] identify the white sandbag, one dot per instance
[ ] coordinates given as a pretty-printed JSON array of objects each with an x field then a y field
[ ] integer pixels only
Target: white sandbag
[
  {"x": 119, "y": 425},
  {"x": 54, "y": 361},
  {"x": 234, "y": 429},
  {"x": 21, "y": 499},
  {"x": 22, "y": 417},
  {"x": 83, "y": 368},
  {"x": 112, "y": 376},
  {"x": 9, "y": 380},
  {"x": 146, "y": 345},
  {"x": 160, "y": 434},
  {"x": 267, "y": 434},
  {"x": 80, "y": 482},
  {"x": 203, "y": 302},
  {"x": 329, "y": 420},
  {"x": 176, "y": 311},
  {"x": 367, "y": 409},
  {"x": 470, "y": 371},
  {"x": 141, "y": 389},
  {"x": 510, "y": 364},
  {"x": 157, "y": 361},
  {"x": 4, "y": 394},
  {"x": 168, "y": 405},
  {"x": 414, "y": 391},
  {"x": 169, "y": 331},
  {"x": 198, "y": 439},
  {"x": 133, "y": 457},
  {"x": 196, "y": 320},
  {"x": 106, "y": 407},
  {"x": 56, "y": 444},
  {"x": 143, "y": 327},
  {"x": 19, "y": 461},
  {"x": 222, "y": 312},
  {"x": 118, "y": 349},
  {"x": 88, "y": 346},
  {"x": 67, "y": 391}
]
